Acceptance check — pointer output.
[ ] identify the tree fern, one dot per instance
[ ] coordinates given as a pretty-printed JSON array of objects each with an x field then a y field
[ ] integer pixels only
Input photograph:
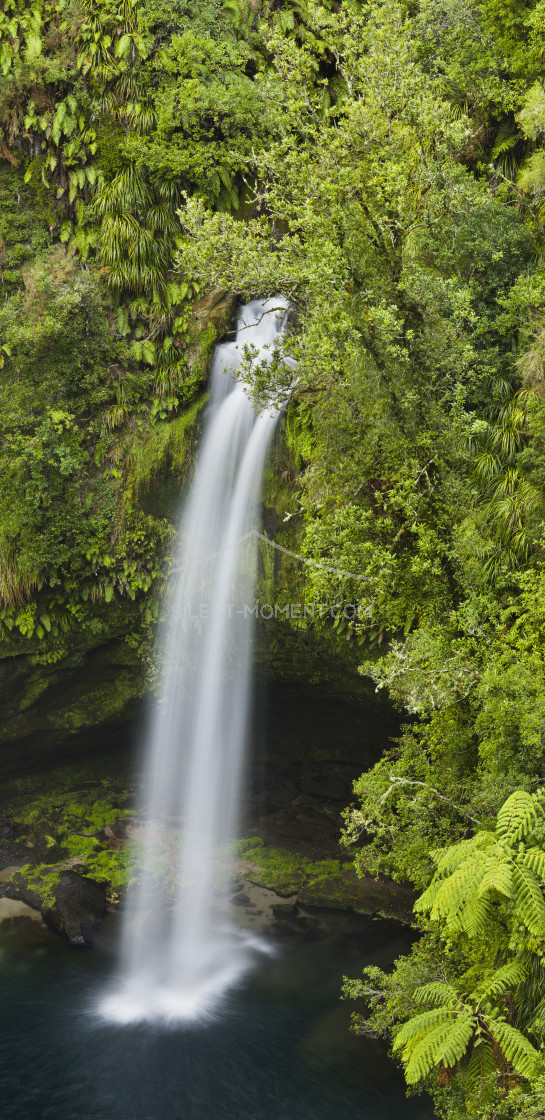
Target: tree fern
[
  {"x": 460, "y": 1028},
  {"x": 439, "y": 1037},
  {"x": 473, "y": 875},
  {"x": 471, "y": 879}
]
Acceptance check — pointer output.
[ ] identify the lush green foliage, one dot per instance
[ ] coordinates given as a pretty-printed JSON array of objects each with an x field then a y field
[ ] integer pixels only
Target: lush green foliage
[
  {"x": 402, "y": 215},
  {"x": 99, "y": 345},
  {"x": 383, "y": 165},
  {"x": 466, "y": 1008},
  {"x": 67, "y": 820}
]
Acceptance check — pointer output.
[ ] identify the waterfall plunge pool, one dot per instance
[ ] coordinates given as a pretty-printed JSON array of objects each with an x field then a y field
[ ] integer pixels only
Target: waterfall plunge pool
[{"x": 278, "y": 1047}]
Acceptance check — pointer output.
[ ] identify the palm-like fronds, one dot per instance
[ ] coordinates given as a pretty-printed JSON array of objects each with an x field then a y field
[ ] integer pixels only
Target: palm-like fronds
[
  {"x": 519, "y": 815},
  {"x": 442, "y": 1037},
  {"x": 507, "y": 499},
  {"x": 517, "y": 1049},
  {"x": 458, "y": 1028},
  {"x": 471, "y": 879},
  {"x": 473, "y": 875}
]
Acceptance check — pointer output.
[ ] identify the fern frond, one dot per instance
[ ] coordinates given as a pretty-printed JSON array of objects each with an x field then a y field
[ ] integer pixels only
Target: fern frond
[
  {"x": 498, "y": 878},
  {"x": 505, "y": 978},
  {"x": 457, "y": 901},
  {"x": 449, "y": 859},
  {"x": 427, "y": 899},
  {"x": 438, "y": 994},
  {"x": 449, "y": 896},
  {"x": 504, "y": 145},
  {"x": 534, "y": 858},
  {"x": 445, "y": 1045},
  {"x": 474, "y": 917},
  {"x": 419, "y": 1053},
  {"x": 420, "y": 1025},
  {"x": 481, "y": 1066},
  {"x": 529, "y": 899},
  {"x": 518, "y": 1051},
  {"x": 457, "y": 1041},
  {"x": 517, "y": 816}
]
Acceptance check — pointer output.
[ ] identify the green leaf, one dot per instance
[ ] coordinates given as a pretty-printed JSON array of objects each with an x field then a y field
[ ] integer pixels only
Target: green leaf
[
  {"x": 499, "y": 878},
  {"x": 523, "y": 1057},
  {"x": 534, "y": 859},
  {"x": 517, "y": 816},
  {"x": 123, "y": 46},
  {"x": 529, "y": 898},
  {"x": 506, "y": 978},
  {"x": 481, "y": 1067},
  {"x": 438, "y": 994}
]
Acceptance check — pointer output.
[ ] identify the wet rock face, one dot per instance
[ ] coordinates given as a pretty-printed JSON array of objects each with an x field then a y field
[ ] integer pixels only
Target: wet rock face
[
  {"x": 17, "y": 890},
  {"x": 78, "y": 908}
]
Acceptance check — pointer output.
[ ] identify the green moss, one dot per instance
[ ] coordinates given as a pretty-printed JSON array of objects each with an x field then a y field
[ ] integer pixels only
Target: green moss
[
  {"x": 329, "y": 883},
  {"x": 40, "y": 879},
  {"x": 23, "y": 230},
  {"x": 63, "y": 819},
  {"x": 164, "y": 445},
  {"x": 299, "y": 433},
  {"x": 240, "y": 847},
  {"x": 211, "y": 318},
  {"x": 62, "y": 813},
  {"x": 108, "y": 700},
  {"x": 203, "y": 349},
  {"x": 283, "y": 871},
  {"x": 279, "y": 870},
  {"x": 88, "y": 858},
  {"x": 62, "y": 688}
]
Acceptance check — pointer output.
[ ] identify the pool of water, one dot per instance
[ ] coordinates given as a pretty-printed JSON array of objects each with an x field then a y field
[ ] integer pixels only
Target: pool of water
[{"x": 278, "y": 1049}]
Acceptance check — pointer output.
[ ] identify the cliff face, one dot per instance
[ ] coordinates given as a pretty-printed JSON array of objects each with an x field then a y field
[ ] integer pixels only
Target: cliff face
[
  {"x": 92, "y": 476},
  {"x": 105, "y": 667},
  {"x": 90, "y": 495}
]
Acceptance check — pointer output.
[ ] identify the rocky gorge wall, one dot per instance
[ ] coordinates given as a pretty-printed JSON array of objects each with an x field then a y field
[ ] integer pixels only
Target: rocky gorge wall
[
  {"x": 72, "y": 716},
  {"x": 106, "y": 665}
]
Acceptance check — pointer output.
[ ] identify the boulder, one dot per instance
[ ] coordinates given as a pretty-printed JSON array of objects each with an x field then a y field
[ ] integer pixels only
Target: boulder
[
  {"x": 18, "y": 889},
  {"x": 240, "y": 899},
  {"x": 78, "y": 908}
]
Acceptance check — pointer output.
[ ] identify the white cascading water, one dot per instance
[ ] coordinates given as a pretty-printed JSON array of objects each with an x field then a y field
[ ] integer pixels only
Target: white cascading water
[{"x": 179, "y": 957}]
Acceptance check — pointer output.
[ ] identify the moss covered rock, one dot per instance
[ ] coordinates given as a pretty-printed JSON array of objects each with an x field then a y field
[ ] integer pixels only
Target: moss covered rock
[
  {"x": 329, "y": 883},
  {"x": 77, "y": 909}
]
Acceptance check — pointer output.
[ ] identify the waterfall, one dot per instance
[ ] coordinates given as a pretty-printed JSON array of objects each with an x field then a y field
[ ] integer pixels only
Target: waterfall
[{"x": 179, "y": 954}]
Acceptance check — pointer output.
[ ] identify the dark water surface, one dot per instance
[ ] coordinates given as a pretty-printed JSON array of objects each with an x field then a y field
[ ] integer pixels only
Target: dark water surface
[{"x": 279, "y": 1049}]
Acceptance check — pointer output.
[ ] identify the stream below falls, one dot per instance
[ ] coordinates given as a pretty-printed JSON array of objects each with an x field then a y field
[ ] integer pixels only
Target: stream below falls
[{"x": 278, "y": 1049}]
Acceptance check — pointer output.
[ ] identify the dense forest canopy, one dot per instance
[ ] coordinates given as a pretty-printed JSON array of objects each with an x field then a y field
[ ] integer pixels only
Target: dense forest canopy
[{"x": 382, "y": 165}]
